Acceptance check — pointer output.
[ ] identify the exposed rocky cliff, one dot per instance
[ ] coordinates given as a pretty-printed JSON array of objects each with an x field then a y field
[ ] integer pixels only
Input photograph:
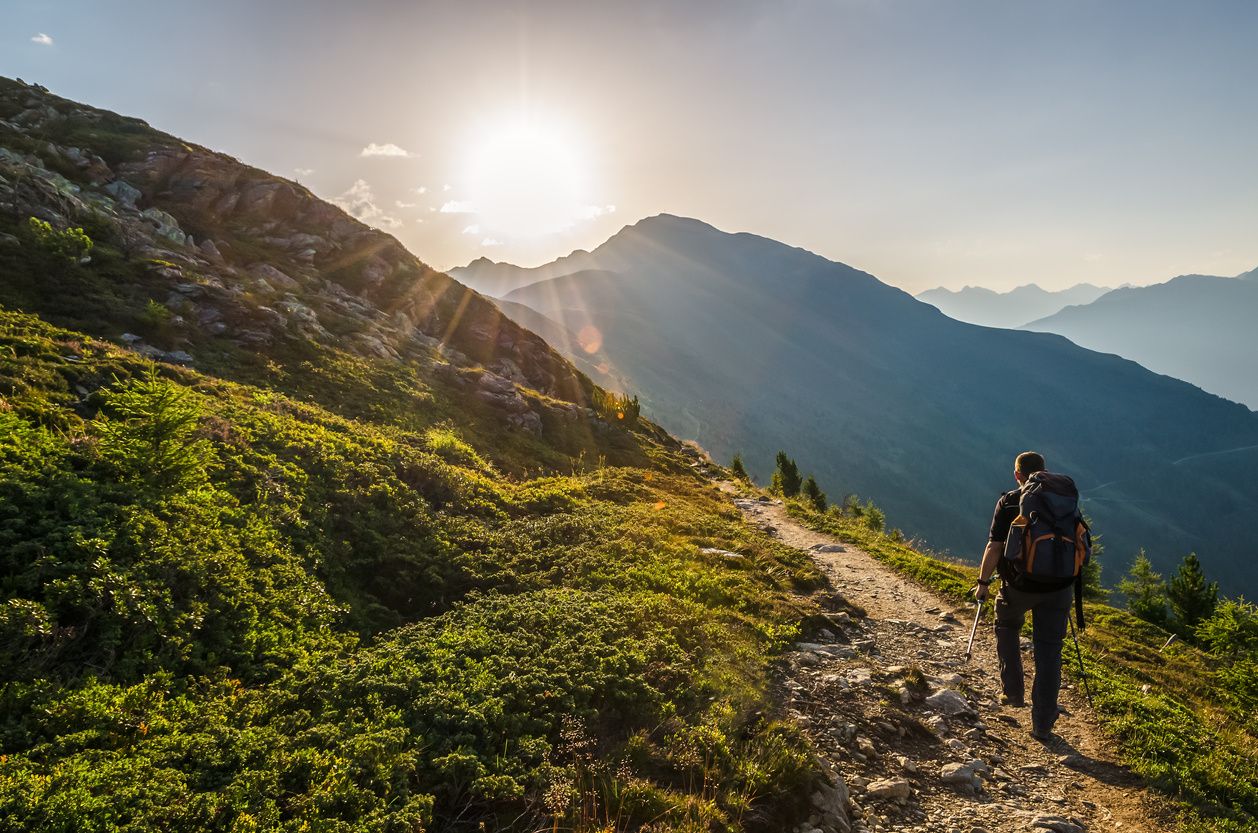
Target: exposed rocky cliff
[{"x": 230, "y": 259}]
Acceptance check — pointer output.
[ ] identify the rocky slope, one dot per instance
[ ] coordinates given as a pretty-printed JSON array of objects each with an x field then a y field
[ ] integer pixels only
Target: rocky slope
[{"x": 220, "y": 262}]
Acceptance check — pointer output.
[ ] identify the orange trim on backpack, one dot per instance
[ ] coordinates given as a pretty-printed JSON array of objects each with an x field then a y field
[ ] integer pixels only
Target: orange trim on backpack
[
  {"x": 1030, "y": 556},
  {"x": 1081, "y": 552}
]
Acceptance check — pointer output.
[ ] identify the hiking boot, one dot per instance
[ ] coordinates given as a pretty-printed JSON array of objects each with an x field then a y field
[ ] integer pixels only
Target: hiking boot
[
  {"x": 1015, "y": 702},
  {"x": 1042, "y": 735}
]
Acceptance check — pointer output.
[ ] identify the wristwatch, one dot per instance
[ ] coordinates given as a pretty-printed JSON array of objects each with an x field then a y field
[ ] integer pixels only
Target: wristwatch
[{"x": 985, "y": 583}]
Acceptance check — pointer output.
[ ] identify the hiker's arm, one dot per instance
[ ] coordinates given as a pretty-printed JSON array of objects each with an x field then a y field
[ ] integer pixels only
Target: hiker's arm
[{"x": 991, "y": 557}]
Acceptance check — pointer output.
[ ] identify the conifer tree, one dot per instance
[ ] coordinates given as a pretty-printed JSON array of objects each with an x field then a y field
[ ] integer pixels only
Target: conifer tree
[
  {"x": 737, "y": 469},
  {"x": 813, "y": 494},
  {"x": 786, "y": 479},
  {"x": 1192, "y": 598},
  {"x": 1092, "y": 587},
  {"x": 1145, "y": 591}
]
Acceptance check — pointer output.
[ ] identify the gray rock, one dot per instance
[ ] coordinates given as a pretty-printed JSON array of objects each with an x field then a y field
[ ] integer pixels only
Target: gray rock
[
  {"x": 123, "y": 191},
  {"x": 272, "y": 276},
  {"x": 210, "y": 250},
  {"x": 906, "y": 764},
  {"x": 891, "y": 788},
  {"x": 166, "y": 225},
  {"x": 828, "y": 548},
  {"x": 179, "y": 357},
  {"x": 726, "y": 554},
  {"x": 831, "y": 800},
  {"x": 130, "y": 338},
  {"x": 9, "y": 240},
  {"x": 962, "y": 775},
  {"x": 1060, "y": 824},
  {"x": 949, "y": 702}
]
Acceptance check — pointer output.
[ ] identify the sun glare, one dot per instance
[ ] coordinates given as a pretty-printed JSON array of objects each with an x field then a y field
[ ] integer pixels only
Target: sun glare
[{"x": 527, "y": 179}]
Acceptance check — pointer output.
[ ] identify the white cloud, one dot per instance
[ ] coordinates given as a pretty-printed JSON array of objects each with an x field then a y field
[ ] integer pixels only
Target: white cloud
[
  {"x": 303, "y": 171},
  {"x": 360, "y": 203},
  {"x": 388, "y": 149},
  {"x": 472, "y": 229},
  {"x": 446, "y": 187},
  {"x": 401, "y": 204},
  {"x": 457, "y": 207},
  {"x": 42, "y": 39},
  {"x": 489, "y": 241},
  {"x": 423, "y": 189},
  {"x": 589, "y": 212}
]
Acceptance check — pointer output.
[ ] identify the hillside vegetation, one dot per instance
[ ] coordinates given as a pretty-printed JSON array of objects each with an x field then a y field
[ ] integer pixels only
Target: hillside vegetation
[{"x": 224, "y": 608}]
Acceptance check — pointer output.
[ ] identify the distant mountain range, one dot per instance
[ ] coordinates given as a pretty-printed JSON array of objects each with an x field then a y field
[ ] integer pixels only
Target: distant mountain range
[
  {"x": 977, "y": 305},
  {"x": 497, "y": 279},
  {"x": 1199, "y": 328},
  {"x": 749, "y": 345}
]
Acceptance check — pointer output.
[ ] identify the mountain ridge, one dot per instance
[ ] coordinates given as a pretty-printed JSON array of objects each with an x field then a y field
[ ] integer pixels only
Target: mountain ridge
[
  {"x": 750, "y": 345},
  {"x": 1193, "y": 327},
  {"x": 979, "y": 305}
]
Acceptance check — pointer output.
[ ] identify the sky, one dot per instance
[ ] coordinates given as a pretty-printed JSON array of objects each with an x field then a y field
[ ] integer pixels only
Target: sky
[{"x": 930, "y": 143}]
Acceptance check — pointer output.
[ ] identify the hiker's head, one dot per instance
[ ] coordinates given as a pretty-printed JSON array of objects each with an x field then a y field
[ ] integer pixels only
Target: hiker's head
[{"x": 1027, "y": 464}]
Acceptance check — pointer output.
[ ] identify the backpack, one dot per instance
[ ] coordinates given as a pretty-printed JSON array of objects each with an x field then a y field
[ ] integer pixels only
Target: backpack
[{"x": 1049, "y": 542}]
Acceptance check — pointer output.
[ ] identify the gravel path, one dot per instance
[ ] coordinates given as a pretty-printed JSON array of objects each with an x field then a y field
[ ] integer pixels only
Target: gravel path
[{"x": 916, "y": 737}]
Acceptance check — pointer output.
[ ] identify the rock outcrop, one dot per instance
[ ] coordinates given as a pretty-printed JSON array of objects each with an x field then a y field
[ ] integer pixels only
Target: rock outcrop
[{"x": 238, "y": 258}]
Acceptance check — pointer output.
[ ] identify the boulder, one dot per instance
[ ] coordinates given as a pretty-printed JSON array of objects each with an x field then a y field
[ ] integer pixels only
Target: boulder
[
  {"x": 830, "y": 799},
  {"x": 166, "y": 225},
  {"x": 123, "y": 191}
]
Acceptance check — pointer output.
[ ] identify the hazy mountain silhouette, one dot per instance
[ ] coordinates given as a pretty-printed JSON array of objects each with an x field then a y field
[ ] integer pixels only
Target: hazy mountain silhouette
[
  {"x": 1007, "y": 309},
  {"x": 1195, "y": 327},
  {"x": 497, "y": 279},
  {"x": 750, "y": 345}
]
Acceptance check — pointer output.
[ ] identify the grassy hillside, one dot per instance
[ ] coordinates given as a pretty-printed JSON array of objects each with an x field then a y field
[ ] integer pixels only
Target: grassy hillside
[
  {"x": 1182, "y": 717},
  {"x": 226, "y": 608}
]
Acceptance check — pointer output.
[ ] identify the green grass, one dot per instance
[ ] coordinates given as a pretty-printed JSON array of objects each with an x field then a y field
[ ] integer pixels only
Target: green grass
[
  {"x": 357, "y": 613},
  {"x": 1167, "y": 717}
]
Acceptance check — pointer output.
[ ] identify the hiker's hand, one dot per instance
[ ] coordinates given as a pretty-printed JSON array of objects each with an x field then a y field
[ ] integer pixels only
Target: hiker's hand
[{"x": 980, "y": 592}]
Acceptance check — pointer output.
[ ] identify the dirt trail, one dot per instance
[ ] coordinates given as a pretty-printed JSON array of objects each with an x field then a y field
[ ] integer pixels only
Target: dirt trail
[{"x": 915, "y": 759}]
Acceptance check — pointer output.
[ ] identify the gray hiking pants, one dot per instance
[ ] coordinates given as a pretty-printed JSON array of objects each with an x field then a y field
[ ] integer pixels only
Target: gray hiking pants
[{"x": 1049, "y": 617}]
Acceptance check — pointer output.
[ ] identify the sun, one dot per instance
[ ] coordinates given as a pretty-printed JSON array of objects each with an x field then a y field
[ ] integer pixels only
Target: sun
[{"x": 527, "y": 178}]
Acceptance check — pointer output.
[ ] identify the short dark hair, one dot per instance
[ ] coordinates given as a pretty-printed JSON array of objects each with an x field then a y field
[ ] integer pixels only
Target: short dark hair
[{"x": 1029, "y": 462}]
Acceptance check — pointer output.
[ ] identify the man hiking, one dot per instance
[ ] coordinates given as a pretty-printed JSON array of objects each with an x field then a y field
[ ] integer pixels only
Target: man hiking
[{"x": 1038, "y": 545}]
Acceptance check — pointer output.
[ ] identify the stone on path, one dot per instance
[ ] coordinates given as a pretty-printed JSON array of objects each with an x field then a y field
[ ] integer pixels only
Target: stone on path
[
  {"x": 1060, "y": 824},
  {"x": 891, "y": 788},
  {"x": 949, "y": 702}
]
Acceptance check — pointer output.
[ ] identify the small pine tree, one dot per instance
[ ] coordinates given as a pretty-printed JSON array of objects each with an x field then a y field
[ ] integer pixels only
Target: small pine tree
[
  {"x": 148, "y": 432},
  {"x": 875, "y": 518},
  {"x": 737, "y": 469},
  {"x": 1092, "y": 587},
  {"x": 786, "y": 476},
  {"x": 813, "y": 494},
  {"x": 1145, "y": 591},
  {"x": 1192, "y": 598}
]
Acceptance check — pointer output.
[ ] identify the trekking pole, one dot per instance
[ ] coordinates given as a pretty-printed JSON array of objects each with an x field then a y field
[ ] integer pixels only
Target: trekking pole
[
  {"x": 1079, "y": 653},
  {"x": 969, "y": 646}
]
